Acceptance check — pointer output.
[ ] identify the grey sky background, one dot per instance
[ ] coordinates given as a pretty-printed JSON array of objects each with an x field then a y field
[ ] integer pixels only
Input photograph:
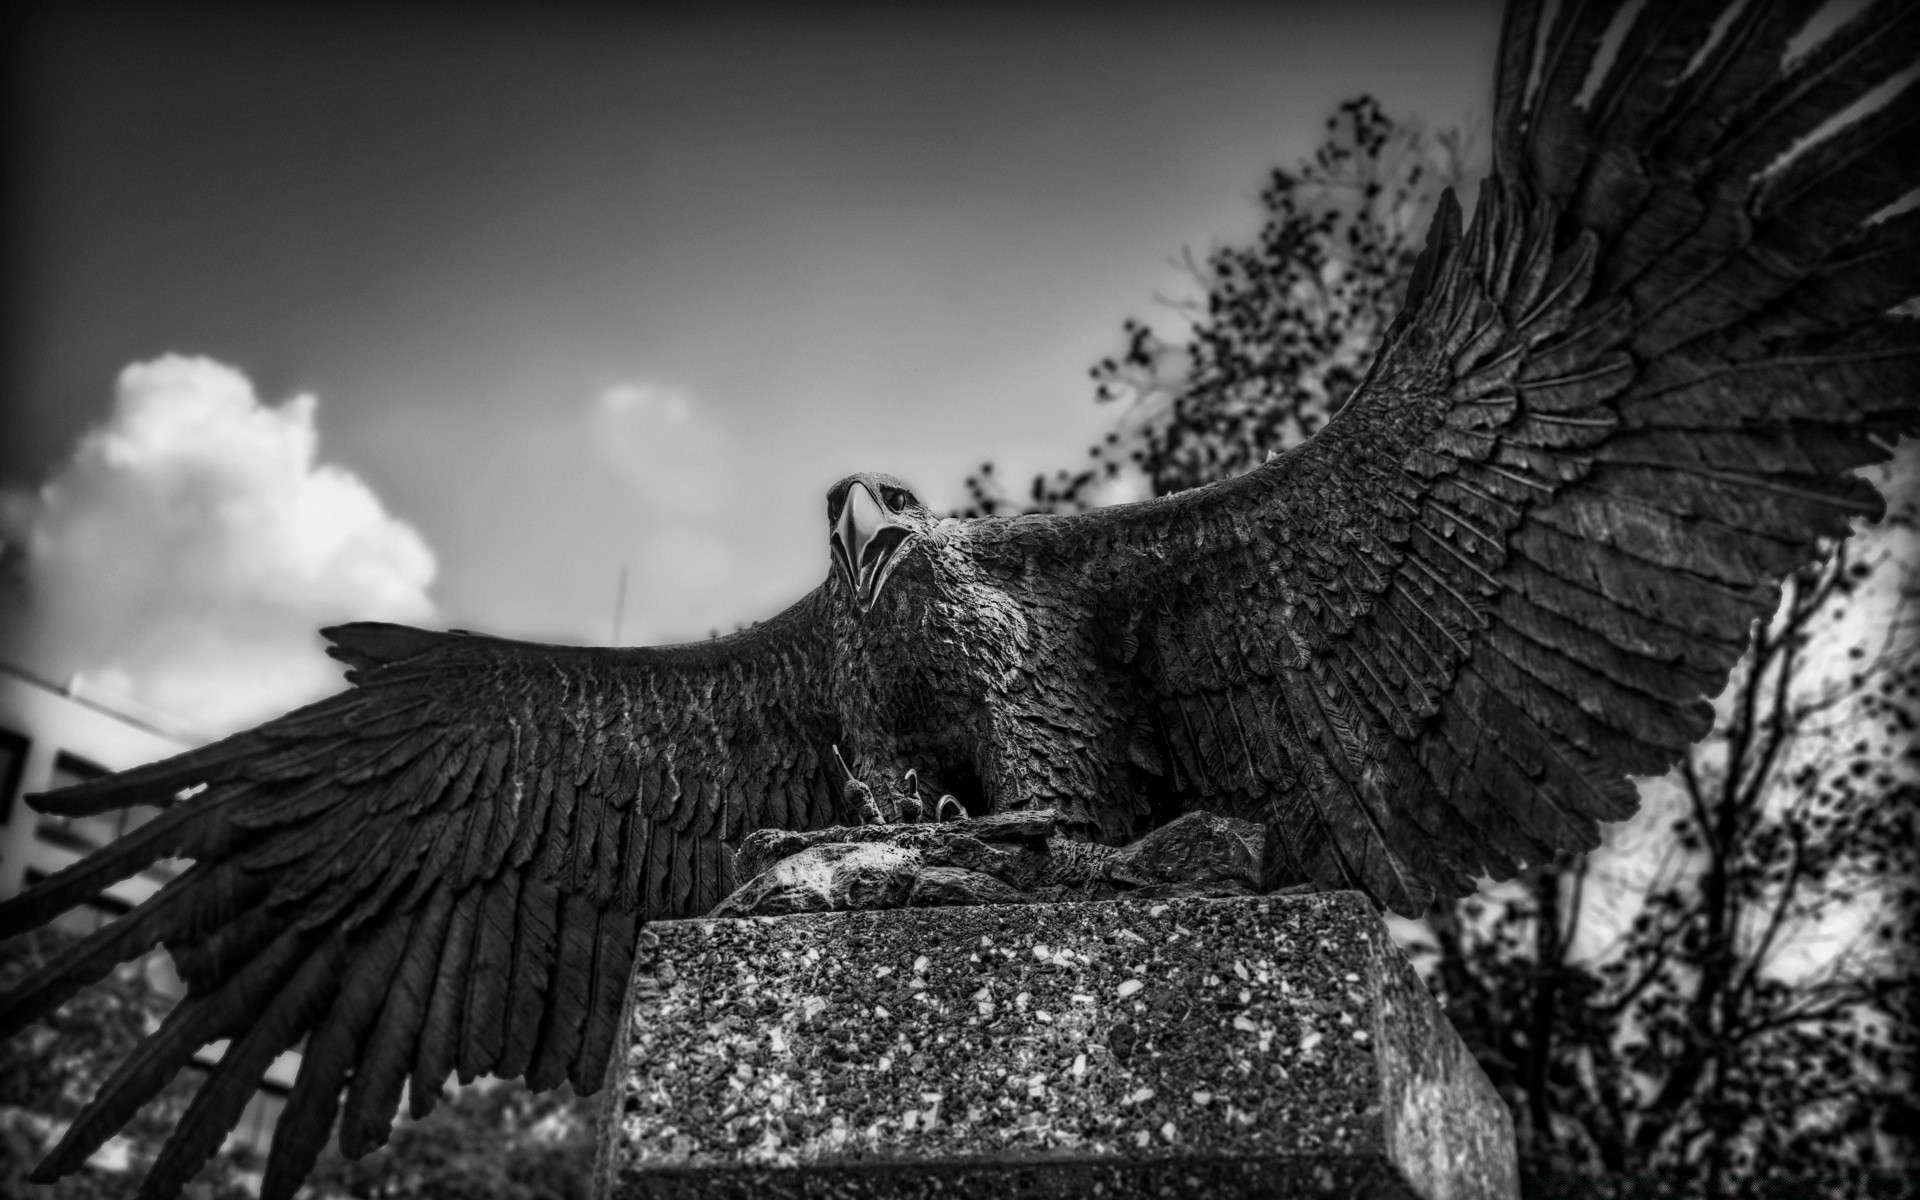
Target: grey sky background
[
  {"x": 579, "y": 288},
  {"x": 447, "y": 315},
  {"x": 872, "y": 237}
]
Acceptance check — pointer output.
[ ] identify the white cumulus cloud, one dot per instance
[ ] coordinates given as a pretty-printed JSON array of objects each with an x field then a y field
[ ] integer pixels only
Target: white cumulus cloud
[{"x": 184, "y": 557}]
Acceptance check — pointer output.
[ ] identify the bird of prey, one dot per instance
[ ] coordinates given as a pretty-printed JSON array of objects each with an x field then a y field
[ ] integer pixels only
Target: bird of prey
[{"x": 1430, "y": 643}]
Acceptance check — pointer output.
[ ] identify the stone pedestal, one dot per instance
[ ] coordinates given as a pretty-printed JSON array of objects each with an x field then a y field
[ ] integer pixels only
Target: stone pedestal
[{"x": 1269, "y": 1046}]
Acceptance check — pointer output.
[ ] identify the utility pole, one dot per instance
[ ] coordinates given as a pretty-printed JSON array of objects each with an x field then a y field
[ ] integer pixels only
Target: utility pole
[{"x": 619, "y": 604}]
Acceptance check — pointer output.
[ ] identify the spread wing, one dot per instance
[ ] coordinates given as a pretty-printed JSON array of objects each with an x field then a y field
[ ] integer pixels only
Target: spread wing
[
  {"x": 444, "y": 868},
  {"x": 1433, "y": 641}
]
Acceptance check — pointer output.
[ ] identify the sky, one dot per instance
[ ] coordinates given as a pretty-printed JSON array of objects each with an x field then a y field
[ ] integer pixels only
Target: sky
[
  {"x": 569, "y": 290},
  {"x": 452, "y": 315}
]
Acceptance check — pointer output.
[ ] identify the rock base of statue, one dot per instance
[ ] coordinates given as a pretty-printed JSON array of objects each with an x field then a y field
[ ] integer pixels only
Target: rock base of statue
[{"x": 1264, "y": 1046}]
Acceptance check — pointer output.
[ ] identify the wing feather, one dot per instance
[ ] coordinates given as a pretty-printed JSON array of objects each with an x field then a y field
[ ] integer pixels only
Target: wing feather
[
  {"x": 1613, "y": 411},
  {"x": 175, "y": 912},
  {"x": 194, "y": 1022},
  {"x": 612, "y": 961},
  {"x": 292, "y": 1009},
  {"x": 489, "y": 978},
  {"x": 440, "y": 871},
  {"x": 329, "y": 1056},
  {"x": 530, "y": 979},
  {"x": 438, "y": 1047},
  {"x": 571, "y": 995},
  {"x": 381, "y": 1070}
]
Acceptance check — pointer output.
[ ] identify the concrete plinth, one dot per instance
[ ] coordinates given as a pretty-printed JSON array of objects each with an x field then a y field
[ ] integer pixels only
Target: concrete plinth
[{"x": 1270, "y": 1046}]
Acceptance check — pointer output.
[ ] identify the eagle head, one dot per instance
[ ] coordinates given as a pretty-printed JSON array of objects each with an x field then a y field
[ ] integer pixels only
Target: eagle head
[{"x": 870, "y": 517}]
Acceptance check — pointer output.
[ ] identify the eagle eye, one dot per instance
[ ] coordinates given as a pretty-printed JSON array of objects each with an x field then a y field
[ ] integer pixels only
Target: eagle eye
[{"x": 896, "y": 499}]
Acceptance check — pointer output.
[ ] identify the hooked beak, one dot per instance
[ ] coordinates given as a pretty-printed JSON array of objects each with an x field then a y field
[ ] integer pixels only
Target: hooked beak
[{"x": 864, "y": 542}]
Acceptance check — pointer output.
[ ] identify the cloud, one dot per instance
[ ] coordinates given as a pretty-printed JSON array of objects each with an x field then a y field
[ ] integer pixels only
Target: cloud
[
  {"x": 183, "y": 558},
  {"x": 685, "y": 474},
  {"x": 667, "y": 454}
]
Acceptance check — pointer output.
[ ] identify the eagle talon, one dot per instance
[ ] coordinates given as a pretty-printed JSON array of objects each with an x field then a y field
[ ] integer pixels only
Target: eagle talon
[
  {"x": 858, "y": 796},
  {"x": 950, "y": 810},
  {"x": 907, "y": 799}
]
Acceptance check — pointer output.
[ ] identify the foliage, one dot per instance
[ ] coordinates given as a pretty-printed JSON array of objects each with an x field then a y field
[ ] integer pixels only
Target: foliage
[
  {"x": 1286, "y": 326},
  {"x": 1753, "y": 1021},
  {"x": 49, "y": 1071},
  {"x": 491, "y": 1140},
  {"x": 1718, "y": 1003}
]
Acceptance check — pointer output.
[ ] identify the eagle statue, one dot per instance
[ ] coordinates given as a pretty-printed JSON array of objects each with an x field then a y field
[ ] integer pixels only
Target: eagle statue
[{"x": 1427, "y": 645}]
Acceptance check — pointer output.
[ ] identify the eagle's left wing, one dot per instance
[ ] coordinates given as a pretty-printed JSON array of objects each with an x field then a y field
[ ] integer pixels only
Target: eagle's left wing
[
  {"x": 1434, "y": 641},
  {"x": 444, "y": 868}
]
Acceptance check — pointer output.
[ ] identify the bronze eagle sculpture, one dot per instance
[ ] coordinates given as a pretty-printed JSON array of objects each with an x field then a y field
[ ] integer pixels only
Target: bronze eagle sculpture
[{"x": 1429, "y": 644}]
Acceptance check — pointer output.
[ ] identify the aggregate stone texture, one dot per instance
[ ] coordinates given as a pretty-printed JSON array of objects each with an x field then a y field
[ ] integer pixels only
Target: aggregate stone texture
[{"x": 1262, "y": 1046}]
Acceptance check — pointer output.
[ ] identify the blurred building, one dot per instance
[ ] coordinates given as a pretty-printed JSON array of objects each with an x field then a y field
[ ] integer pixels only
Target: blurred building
[{"x": 51, "y": 736}]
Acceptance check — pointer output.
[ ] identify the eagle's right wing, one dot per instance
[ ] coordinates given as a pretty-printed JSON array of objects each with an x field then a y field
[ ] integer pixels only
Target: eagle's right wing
[
  {"x": 1433, "y": 641},
  {"x": 443, "y": 868}
]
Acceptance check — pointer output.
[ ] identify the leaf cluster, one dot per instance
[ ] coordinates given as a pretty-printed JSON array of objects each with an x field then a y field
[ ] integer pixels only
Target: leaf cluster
[
  {"x": 490, "y": 1140},
  {"x": 1283, "y": 326},
  {"x": 1752, "y": 1024},
  {"x": 49, "y": 1071}
]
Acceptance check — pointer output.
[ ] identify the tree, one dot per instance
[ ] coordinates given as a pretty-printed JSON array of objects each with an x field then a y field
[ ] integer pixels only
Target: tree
[
  {"x": 1717, "y": 999},
  {"x": 490, "y": 1140},
  {"x": 1284, "y": 326},
  {"x": 49, "y": 1072},
  {"x": 1753, "y": 1022}
]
